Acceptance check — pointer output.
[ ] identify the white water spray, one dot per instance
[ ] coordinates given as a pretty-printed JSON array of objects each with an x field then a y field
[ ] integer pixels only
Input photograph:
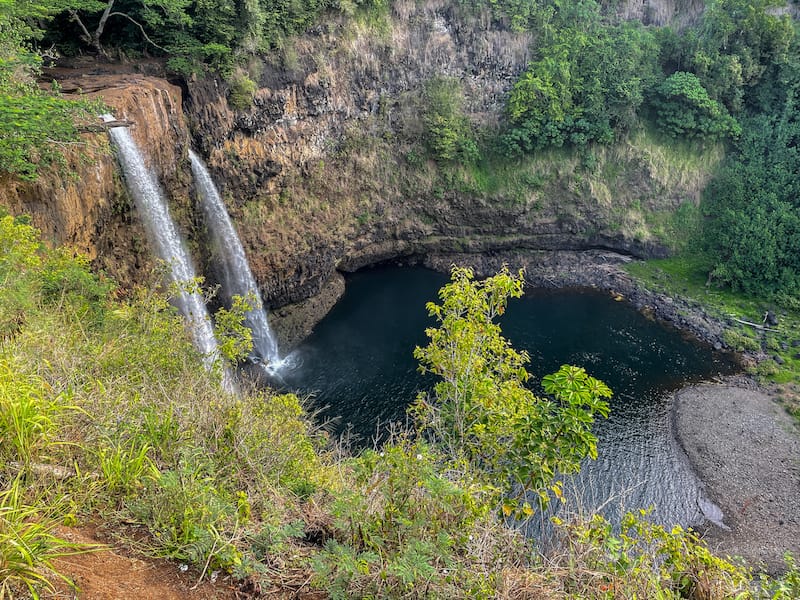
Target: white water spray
[
  {"x": 237, "y": 279},
  {"x": 169, "y": 247}
]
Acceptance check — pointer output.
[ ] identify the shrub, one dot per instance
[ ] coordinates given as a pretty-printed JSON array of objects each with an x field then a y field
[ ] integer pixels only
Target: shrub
[
  {"x": 643, "y": 560},
  {"x": 408, "y": 528},
  {"x": 482, "y": 414},
  {"x": 684, "y": 109},
  {"x": 448, "y": 133},
  {"x": 241, "y": 91},
  {"x": 740, "y": 342},
  {"x": 192, "y": 519}
]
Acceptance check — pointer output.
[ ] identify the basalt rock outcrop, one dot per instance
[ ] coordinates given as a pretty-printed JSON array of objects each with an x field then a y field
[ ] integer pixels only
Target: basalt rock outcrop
[
  {"x": 326, "y": 171},
  {"x": 83, "y": 203}
]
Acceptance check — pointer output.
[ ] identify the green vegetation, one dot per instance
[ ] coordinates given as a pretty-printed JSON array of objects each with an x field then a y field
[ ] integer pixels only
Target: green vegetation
[
  {"x": 36, "y": 127},
  {"x": 683, "y": 108},
  {"x": 687, "y": 276},
  {"x": 194, "y": 34},
  {"x": 753, "y": 232},
  {"x": 104, "y": 402},
  {"x": 108, "y": 413},
  {"x": 448, "y": 133},
  {"x": 587, "y": 86},
  {"x": 521, "y": 443}
]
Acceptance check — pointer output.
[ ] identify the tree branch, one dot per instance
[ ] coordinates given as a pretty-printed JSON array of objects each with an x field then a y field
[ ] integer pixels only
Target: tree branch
[
  {"x": 104, "y": 126},
  {"x": 86, "y": 36},
  {"x": 144, "y": 33},
  {"x": 755, "y": 325}
]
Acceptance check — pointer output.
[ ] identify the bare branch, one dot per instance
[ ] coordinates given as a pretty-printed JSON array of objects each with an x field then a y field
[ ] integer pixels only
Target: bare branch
[
  {"x": 96, "y": 128},
  {"x": 86, "y": 36},
  {"x": 755, "y": 325},
  {"x": 144, "y": 33}
]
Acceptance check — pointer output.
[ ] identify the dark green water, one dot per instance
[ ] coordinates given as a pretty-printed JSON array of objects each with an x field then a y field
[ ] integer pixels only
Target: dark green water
[{"x": 359, "y": 364}]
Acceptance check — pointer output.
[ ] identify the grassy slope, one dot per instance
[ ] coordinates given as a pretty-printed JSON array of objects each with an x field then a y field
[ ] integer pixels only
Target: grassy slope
[
  {"x": 107, "y": 413},
  {"x": 687, "y": 276}
]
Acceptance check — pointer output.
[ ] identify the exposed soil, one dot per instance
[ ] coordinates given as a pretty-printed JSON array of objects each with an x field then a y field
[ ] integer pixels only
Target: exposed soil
[
  {"x": 746, "y": 450},
  {"x": 112, "y": 573}
]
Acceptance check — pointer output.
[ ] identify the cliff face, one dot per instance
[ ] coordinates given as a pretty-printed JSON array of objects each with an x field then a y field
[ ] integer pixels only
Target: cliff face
[
  {"x": 677, "y": 13},
  {"x": 326, "y": 171},
  {"x": 84, "y": 204}
]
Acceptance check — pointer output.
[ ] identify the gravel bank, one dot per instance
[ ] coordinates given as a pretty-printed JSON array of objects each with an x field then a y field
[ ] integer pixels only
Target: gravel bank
[{"x": 746, "y": 450}]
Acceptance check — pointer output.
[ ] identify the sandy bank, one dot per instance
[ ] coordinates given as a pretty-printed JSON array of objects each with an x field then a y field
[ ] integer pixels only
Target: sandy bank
[{"x": 746, "y": 450}]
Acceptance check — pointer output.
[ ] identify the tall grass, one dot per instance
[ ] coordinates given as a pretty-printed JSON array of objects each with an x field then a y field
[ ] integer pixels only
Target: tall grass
[{"x": 29, "y": 546}]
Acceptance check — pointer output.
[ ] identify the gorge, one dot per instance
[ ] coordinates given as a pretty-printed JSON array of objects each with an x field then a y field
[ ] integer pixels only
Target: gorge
[
  {"x": 317, "y": 172},
  {"x": 331, "y": 176}
]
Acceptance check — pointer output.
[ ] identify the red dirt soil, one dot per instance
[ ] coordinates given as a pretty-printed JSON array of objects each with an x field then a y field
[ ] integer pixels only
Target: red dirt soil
[{"x": 113, "y": 574}]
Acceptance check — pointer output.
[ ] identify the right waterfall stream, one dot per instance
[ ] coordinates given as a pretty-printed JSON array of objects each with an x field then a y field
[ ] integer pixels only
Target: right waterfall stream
[{"x": 237, "y": 279}]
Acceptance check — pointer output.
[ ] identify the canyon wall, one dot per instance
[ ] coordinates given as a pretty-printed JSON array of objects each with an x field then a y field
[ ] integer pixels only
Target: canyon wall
[
  {"x": 83, "y": 203},
  {"x": 326, "y": 170}
]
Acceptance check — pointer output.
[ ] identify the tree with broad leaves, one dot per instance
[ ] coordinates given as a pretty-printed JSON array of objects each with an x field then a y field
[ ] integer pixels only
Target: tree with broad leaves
[{"x": 483, "y": 415}]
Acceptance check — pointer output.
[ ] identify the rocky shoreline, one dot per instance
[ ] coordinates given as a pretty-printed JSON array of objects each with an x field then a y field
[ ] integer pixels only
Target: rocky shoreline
[
  {"x": 596, "y": 269},
  {"x": 746, "y": 450}
]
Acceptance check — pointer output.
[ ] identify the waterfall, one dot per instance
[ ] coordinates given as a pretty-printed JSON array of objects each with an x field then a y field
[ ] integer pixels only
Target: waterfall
[
  {"x": 235, "y": 271},
  {"x": 169, "y": 247}
]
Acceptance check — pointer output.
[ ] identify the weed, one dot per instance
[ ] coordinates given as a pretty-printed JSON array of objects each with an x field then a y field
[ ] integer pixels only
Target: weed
[
  {"x": 28, "y": 546},
  {"x": 126, "y": 466},
  {"x": 26, "y": 416}
]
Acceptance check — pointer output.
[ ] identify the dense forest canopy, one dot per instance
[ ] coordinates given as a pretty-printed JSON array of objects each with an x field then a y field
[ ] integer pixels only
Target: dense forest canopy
[{"x": 592, "y": 79}]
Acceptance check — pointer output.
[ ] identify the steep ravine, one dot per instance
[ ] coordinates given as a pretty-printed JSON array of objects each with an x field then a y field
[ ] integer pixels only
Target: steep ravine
[
  {"x": 325, "y": 171},
  {"x": 322, "y": 173}
]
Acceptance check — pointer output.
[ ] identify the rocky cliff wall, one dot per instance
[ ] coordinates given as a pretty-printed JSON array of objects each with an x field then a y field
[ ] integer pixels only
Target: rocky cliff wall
[
  {"x": 326, "y": 171},
  {"x": 84, "y": 204},
  {"x": 677, "y": 13}
]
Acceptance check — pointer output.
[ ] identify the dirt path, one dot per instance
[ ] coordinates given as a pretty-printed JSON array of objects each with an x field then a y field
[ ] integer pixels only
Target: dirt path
[
  {"x": 112, "y": 574},
  {"x": 746, "y": 450}
]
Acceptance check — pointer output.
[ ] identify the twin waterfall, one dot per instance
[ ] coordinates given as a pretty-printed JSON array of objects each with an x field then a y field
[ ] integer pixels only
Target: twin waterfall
[
  {"x": 169, "y": 246},
  {"x": 237, "y": 279}
]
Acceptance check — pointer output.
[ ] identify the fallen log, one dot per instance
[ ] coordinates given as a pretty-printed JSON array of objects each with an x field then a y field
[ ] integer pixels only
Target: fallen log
[
  {"x": 751, "y": 324},
  {"x": 100, "y": 127}
]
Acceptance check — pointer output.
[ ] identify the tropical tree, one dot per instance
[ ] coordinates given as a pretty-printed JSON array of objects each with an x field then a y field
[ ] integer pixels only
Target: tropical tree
[
  {"x": 92, "y": 17},
  {"x": 482, "y": 413},
  {"x": 586, "y": 86},
  {"x": 684, "y": 108}
]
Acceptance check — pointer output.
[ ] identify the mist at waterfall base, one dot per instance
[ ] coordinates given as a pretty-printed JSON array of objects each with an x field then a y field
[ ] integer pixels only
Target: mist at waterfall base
[{"x": 358, "y": 363}]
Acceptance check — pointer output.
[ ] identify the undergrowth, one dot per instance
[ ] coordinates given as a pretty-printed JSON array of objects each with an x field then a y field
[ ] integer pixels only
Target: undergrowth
[{"x": 109, "y": 414}]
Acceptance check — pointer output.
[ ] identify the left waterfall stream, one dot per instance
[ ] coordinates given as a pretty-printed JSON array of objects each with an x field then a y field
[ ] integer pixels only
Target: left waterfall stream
[{"x": 163, "y": 234}]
